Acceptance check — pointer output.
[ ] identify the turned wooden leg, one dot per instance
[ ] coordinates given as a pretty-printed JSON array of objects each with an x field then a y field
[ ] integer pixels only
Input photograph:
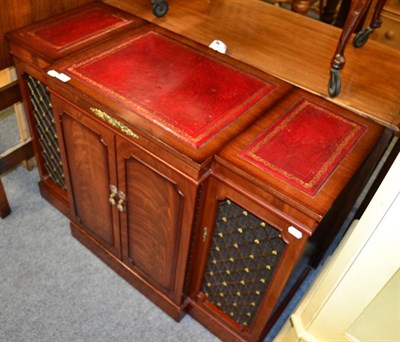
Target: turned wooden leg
[
  {"x": 376, "y": 21},
  {"x": 4, "y": 206},
  {"x": 357, "y": 10},
  {"x": 301, "y": 6},
  {"x": 328, "y": 13}
]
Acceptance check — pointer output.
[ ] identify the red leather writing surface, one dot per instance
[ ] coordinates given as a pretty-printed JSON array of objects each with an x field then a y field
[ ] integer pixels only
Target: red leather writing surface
[
  {"x": 304, "y": 146},
  {"x": 185, "y": 92},
  {"x": 78, "y": 28}
]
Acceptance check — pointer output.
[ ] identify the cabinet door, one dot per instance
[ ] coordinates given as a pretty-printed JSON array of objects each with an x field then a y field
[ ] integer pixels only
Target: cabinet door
[
  {"x": 90, "y": 153},
  {"x": 157, "y": 219},
  {"x": 242, "y": 258}
]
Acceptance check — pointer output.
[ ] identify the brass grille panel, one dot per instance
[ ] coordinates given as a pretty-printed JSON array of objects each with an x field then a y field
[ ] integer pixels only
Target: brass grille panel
[
  {"x": 42, "y": 110},
  {"x": 243, "y": 257}
]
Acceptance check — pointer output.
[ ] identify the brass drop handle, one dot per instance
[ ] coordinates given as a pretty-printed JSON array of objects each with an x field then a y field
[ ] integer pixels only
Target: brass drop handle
[
  {"x": 113, "y": 193},
  {"x": 120, "y": 204}
]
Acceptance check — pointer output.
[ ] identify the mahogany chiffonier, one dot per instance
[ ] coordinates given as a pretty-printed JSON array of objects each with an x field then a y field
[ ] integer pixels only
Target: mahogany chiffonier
[
  {"x": 38, "y": 45},
  {"x": 277, "y": 195},
  {"x": 140, "y": 118}
]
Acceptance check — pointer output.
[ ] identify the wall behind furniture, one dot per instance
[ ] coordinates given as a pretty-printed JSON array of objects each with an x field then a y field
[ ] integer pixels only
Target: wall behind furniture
[{"x": 17, "y": 13}]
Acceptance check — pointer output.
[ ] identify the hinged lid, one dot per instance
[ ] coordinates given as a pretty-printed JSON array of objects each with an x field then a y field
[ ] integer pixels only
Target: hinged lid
[
  {"x": 305, "y": 149},
  {"x": 183, "y": 94},
  {"x": 71, "y": 31}
]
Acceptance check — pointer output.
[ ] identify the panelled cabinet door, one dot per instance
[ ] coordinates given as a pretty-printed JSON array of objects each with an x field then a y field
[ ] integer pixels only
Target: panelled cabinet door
[
  {"x": 243, "y": 256},
  {"x": 156, "y": 219},
  {"x": 89, "y": 150}
]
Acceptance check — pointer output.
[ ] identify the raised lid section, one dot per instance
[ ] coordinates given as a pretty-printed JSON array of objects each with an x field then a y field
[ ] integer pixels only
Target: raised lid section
[
  {"x": 189, "y": 94},
  {"x": 305, "y": 145},
  {"x": 77, "y": 28}
]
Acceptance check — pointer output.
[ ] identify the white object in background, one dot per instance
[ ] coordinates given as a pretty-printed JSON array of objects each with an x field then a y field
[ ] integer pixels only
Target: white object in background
[{"x": 218, "y": 45}]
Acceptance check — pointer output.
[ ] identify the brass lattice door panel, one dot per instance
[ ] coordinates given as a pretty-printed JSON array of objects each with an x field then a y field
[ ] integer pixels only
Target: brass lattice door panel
[
  {"x": 46, "y": 131},
  {"x": 244, "y": 254}
]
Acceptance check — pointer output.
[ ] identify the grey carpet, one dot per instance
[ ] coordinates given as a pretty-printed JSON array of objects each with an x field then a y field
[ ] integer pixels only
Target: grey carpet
[
  {"x": 53, "y": 289},
  {"x": 9, "y": 135}
]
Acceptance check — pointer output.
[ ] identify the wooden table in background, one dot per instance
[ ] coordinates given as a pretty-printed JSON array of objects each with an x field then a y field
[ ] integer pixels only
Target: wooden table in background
[{"x": 292, "y": 47}]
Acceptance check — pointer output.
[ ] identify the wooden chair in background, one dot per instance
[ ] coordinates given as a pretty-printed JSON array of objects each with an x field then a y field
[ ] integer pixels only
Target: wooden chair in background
[
  {"x": 22, "y": 151},
  {"x": 356, "y": 14}
]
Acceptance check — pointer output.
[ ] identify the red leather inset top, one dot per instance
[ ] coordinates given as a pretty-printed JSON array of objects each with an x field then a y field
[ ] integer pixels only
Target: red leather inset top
[
  {"x": 191, "y": 95},
  {"x": 88, "y": 24},
  {"x": 304, "y": 146}
]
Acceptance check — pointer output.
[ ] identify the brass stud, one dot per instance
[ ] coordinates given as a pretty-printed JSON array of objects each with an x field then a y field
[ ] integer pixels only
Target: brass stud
[
  {"x": 274, "y": 252},
  {"x": 242, "y": 282},
  {"x": 209, "y": 284},
  {"x": 220, "y": 234},
  {"x": 218, "y": 304},
  {"x": 235, "y": 304},
  {"x": 224, "y": 283},
  {"x": 245, "y": 213},
  {"x": 246, "y": 269},
  {"x": 258, "y": 293},
  {"x": 228, "y": 272},
  {"x": 251, "y": 256},
  {"x": 235, "y": 245},
  {"x": 262, "y": 224},
  {"x": 231, "y": 314},
  {"x": 262, "y": 280},
  {"x": 253, "y": 304},
  {"x": 256, "y": 241},
  {"x": 268, "y": 267},
  {"x": 228, "y": 202},
  {"x": 240, "y": 230},
  {"x": 211, "y": 273},
  {"x": 214, "y": 262},
  {"x": 217, "y": 249},
  {"x": 221, "y": 294},
  {"x": 224, "y": 219},
  {"x": 231, "y": 259},
  {"x": 238, "y": 293}
]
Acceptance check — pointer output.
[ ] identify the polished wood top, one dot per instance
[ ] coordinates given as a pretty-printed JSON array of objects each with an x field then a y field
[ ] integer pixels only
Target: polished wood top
[{"x": 289, "y": 46}]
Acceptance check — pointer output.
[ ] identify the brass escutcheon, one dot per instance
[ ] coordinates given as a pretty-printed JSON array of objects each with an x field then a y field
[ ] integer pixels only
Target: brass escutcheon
[{"x": 113, "y": 122}]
